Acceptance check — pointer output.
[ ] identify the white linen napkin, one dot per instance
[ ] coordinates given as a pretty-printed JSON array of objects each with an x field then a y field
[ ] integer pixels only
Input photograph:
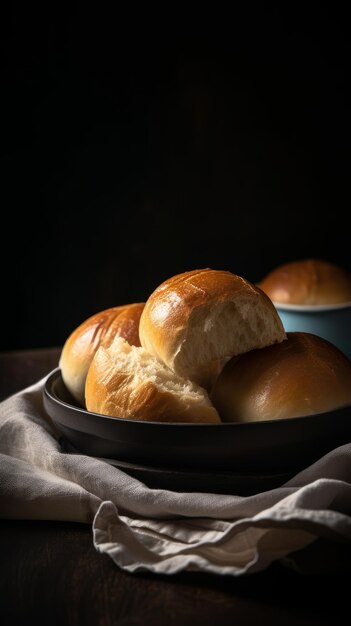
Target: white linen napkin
[{"x": 155, "y": 529}]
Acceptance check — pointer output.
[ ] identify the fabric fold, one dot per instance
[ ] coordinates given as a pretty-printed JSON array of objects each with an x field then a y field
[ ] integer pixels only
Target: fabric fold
[{"x": 159, "y": 530}]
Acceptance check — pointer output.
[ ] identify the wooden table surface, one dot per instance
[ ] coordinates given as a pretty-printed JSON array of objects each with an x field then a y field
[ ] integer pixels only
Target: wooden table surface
[{"x": 51, "y": 574}]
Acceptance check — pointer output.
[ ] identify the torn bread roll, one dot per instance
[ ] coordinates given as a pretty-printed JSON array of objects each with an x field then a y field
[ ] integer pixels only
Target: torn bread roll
[
  {"x": 126, "y": 381},
  {"x": 99, "y": 329},
  {"x": 308, "y": 282},
  {"x": 303, "y": 375},
  {"x": 195, "y": 321}
]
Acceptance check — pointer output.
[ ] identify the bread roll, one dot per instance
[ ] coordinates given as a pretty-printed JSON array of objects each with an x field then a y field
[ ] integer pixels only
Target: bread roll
[
  {"x": 195, "y": 321},
  {"x": 301, "y": 376},
  {"x": 308, "y": 282},
  {"x": 99, "y": 329},
  {"x": 126, "y": 381}
]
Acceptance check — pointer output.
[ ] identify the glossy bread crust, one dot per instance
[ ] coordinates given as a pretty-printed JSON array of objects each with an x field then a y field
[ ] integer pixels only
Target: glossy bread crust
[
  {"x": 194, "y": 321},
  {"x": 308, "y": 282},
  {"x": 301, "y": 376},
  {"x": 99, "y": 329}
]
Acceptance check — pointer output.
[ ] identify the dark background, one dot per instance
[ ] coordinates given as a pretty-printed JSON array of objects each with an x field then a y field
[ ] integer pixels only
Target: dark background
[{"x": 140, "y": 146}]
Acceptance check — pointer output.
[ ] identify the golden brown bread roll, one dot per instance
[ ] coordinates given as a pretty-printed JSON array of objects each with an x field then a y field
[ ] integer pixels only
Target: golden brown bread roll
[
  {"x": 126, "y": 381},
  {"x": 196, "y": 320},
  {"x": 99, "y": 329},
  {"x": 300, "y": 376},
  {"x": 308, "y": 282}
]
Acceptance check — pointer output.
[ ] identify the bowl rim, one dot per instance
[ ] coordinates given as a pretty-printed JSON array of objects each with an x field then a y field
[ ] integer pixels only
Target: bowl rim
[
  {"x": 50, "y": 395},
  {"x": 310, "y": 308},
  {"x": 259, "y": 448}
]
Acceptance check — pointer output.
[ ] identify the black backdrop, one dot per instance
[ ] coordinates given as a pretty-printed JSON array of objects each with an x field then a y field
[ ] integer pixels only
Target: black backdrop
[{"x": 139, "y": 148}]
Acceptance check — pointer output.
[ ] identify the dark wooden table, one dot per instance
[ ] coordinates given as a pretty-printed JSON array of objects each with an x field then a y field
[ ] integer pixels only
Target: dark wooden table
[{"x": 51, "y": 574}]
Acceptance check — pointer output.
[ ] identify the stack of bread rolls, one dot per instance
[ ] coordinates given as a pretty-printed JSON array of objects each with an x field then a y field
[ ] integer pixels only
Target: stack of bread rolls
[{"x": 207, "y": 346}]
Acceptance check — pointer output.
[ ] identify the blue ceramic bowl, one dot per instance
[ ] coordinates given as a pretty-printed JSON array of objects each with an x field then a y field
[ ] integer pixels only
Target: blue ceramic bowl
[{"x": 332, "y": 321}]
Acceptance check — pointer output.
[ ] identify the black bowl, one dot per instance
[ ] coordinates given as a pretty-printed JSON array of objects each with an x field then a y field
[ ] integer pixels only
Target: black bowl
[{"x": 270, "y": 448}]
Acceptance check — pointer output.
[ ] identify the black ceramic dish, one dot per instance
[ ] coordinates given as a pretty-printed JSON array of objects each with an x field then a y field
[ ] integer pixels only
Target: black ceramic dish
[{"x": 240, "y": 458}]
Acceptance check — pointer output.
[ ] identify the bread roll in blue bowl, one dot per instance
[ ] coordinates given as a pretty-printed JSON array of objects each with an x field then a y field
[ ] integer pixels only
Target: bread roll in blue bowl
[{"x": 314, "y": 296}]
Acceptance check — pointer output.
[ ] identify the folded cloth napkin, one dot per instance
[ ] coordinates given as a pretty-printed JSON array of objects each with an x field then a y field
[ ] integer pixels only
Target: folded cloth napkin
[{"x": 158, "y": 530}]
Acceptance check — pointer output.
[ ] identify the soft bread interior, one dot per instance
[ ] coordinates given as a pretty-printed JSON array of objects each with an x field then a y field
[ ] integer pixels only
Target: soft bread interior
[
  {"x": 195, "y": 321},
  {"x": 126, "y": 381},
  {"x": 217, "y": 332},
  {"x": 99, "y": 329}
]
